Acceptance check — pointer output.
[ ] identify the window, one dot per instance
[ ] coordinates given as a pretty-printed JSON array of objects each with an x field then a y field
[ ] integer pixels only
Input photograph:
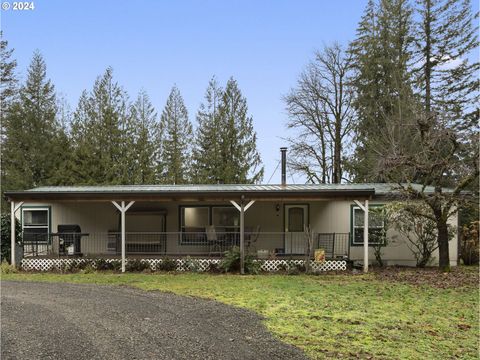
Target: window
[
  {"x": 194, "y": 221},
  {"x": 227, "y": 218},
  {"x": 376, "y": 226},
  {"x": 35, "y": 224}
]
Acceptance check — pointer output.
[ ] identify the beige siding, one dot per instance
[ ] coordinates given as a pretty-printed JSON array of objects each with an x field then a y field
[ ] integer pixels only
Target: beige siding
[{"x": 325, "y": 217}]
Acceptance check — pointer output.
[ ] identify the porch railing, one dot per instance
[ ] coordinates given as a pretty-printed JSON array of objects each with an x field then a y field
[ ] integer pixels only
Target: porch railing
[{"x": 211, "y": 244}]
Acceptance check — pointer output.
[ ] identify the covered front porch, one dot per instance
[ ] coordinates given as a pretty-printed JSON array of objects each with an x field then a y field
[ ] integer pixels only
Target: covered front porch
[{"x": 195, "y": 221}]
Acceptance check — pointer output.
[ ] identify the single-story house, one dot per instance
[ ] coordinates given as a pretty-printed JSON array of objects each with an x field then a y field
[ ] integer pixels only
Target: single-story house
[{"x": 267, "y": 221}]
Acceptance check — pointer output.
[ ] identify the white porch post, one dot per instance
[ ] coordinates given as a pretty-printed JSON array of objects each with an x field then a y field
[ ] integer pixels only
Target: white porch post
[
  {"x": 13, "y": 210},
  {"x": 242, "y": 208},
  {"x": 242, "y": 238},
  {"x": 12, "y": 233},
  {"x": 123, "y": 209},
  {"x": 365, "y": 233},
  {"x": 365, "y": 238}
]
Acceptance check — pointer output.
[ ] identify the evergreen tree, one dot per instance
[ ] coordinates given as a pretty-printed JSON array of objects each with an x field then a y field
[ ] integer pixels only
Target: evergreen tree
[
  {"x": 207, "y": 158},
  {"x": 8, "y": 86},
  {"x": 99, "y": 133},
  {"x": 32, "y": 146},
  {"x": 145, "y": 135},
  {"x": 241, "y": 162},
  {"x": 445, "y": 35},
  {"x": 177, "y": 140},
  {"x": 8, "y": 78},
  {"x": 381, "y": 56}
]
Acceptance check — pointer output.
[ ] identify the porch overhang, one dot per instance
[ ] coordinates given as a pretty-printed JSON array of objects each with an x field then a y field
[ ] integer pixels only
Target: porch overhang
[{"x": 277, "y": 193}]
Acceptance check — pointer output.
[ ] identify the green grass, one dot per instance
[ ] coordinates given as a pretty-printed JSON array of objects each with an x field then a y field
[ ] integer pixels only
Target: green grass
[{"x": 330, "y": 316}]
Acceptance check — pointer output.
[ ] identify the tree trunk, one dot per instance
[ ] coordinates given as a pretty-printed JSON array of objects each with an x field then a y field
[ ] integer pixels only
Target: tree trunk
[
  {"x": 337, "y": 158},
  {"x": 443, "y": 251}
]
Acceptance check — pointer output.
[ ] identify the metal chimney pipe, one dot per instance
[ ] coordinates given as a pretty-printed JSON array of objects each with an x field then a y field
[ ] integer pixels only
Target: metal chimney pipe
[{"x": 284, "y": 165}]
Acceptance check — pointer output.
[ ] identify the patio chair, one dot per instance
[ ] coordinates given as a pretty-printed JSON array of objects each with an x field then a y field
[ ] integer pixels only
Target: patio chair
[
  {"x": 252, "y": 237},
  {"x": 214, "y": 244}
]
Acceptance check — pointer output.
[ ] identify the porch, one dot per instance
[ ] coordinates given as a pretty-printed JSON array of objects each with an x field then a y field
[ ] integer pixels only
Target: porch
[
  {"x": 201, "y": 221},
  {"x": 202, "y": 244}
]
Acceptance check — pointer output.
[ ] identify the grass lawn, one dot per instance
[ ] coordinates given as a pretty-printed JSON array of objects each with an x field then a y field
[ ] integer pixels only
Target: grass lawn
[{"x": 332, "y": 316}]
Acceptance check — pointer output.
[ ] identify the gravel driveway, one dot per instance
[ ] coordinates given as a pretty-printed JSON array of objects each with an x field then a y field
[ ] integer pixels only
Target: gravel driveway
[{"x": 67, "y": 321}]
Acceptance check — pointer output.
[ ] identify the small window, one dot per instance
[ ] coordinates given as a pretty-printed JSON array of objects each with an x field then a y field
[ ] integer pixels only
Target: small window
[
  {"x": 376, "y": 225},
  {"x": 35, "y": 224}
]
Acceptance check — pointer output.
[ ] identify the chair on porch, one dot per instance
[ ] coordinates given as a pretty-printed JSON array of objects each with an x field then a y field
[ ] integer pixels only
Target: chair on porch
[
  {"x": 251, "y": 238},
  {"x": 214, "y": 244}
]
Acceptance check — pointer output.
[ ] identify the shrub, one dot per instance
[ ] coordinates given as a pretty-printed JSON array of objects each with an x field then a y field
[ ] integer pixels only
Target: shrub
[
  {"x": 6, "y": 268},
  {"x": 5, "y": 236},
  {"x": 88, "y": 269},
  {"x": 192, "y": 265},
  {"x": 102, "y": 265},
  {"x": 61, "y": 268},
  {"x": 137, "y": 265},
  {"x": 214, "y": 268},
  {"x": 470, "y": 243},
  {"x": 167, "y": 264},
  {"x": 293, "y": 271},
  {"x": 420, "y": 232},
  {"x": 231, "y": 262}
]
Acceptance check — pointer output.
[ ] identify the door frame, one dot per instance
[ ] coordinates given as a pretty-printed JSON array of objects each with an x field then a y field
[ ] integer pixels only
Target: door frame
[{"x": 284, "y": 228}]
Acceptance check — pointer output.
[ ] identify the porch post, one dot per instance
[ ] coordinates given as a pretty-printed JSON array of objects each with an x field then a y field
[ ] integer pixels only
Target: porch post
[
  {"x": 365, "y": 238},
  {"x": 242, "y": 208},
  {"x": 365, "y": 233},
  {"x": 242, "y": 238},
  {"x": 123, "y": 236},
  {"x": 13, "y": 221},
  {"x": 12, "y": 233},
  {"x": 123, "y": 209}
]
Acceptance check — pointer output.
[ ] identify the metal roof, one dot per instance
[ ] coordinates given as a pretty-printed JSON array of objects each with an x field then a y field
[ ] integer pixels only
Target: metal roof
[{"x": 267, "y": 191}]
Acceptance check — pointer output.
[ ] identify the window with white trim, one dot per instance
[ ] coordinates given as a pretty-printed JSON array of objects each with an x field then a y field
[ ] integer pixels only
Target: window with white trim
[
  {"x": 35, "y": 224},
  {"x": 376, "y": 225}
]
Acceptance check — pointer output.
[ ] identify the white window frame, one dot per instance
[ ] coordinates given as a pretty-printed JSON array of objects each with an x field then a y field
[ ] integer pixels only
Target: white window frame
[
  {"x": 370, "y": 226},
  {"x": 39, "y": 208}
]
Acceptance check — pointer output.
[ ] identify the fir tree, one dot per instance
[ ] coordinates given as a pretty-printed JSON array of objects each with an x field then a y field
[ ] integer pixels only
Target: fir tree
[
  {"x": 445, "y": 35},
  {"x": 241, "y": 162},
  {"x": 8, "y": 78},
  {"x": 32, "y": 146},
  {"x": 99, "y": 132},
  {"x": 207, "y": 160},
  {"x": 144, "y": 128},
  {"x": 177, "y": 139},
  {"x": 383, "y": 82}
]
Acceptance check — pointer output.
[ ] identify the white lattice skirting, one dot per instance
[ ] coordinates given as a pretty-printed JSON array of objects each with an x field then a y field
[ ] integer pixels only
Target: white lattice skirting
[{"x": 185, "y": 264}]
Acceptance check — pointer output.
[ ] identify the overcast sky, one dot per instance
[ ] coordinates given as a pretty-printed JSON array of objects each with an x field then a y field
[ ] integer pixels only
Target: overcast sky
[{"x": 155, "y": 44}]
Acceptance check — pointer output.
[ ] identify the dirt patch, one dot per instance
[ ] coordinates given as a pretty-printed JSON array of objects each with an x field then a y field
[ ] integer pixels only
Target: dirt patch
[{"x": 458, "y": 277}]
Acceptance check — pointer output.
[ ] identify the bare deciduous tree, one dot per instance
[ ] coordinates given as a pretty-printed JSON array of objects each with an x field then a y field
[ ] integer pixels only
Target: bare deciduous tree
[{"x": 320, "y": 110}]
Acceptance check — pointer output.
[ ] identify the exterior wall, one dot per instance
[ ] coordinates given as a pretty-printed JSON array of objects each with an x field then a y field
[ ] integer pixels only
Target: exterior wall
[
  {"x": 98, "y": 218},
  {"x": 335, "y": 217}
]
